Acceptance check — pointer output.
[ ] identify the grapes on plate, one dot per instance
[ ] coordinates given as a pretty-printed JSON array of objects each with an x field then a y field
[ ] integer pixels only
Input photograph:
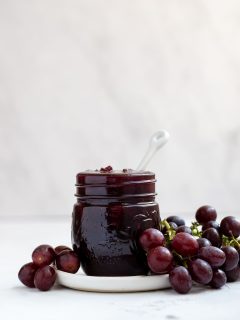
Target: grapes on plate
[
  {"x": 211, "y": 224},
  {"x": 61, "y": 248},
  {"x": 185, "y": 244},
  {"x": 233, "y": 275},
  {"x": 151, "y": 238},
  {"x": 43, "y": 255},
  {"x": 213, "y": 255},
  {"x": 203, "y": 242},
  {"x": 205, "y": 214},
  {"x": 184, "y": 228},
  {"x": 230, "y": 226},
  {"x": 177, "y": 220},
  {"x": 159, "y": 259},
  {"x": 232, "y": 258},
  {"x": 200, "y": 271},
  {"x": 68, "y": 261},
  {"x": 45, "y": 278},
  {"x": 180, "y": 279},
  {"x": 213, "y": 236},
  {"x": 26, "y": 274},
  {"x": 219, "y": 279},
  {"x": 207, "y": 253}
]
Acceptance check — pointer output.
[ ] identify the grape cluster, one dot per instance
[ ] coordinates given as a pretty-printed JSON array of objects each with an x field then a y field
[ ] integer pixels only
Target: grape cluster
[
  {"x": 41, "y": 272},
  {"x": 206, "y": 253}
]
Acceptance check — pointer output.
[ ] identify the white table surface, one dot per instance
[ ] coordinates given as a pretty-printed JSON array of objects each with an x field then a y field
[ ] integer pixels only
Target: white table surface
[{"x": 19, "y": 236}]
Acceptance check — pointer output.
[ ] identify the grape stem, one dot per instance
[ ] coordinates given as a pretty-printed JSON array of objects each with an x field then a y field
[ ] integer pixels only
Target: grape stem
[
  {"x": 180, "y": 258},
  {"x": 195, "y": 229},
  {"x": 230, "y": 241},
  {"x": 170, "y": 231}
]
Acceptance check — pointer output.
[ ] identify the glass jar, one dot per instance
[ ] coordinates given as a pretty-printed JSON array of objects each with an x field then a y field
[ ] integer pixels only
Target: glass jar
[{"x": 111, "y": 211}]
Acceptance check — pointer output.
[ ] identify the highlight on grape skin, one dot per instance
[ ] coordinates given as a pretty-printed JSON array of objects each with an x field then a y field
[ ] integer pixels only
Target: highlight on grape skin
[
  {"x": 43, "y": 255},
  {"x": 151, "y": 238},
  {"x": 68, "y": 261}
]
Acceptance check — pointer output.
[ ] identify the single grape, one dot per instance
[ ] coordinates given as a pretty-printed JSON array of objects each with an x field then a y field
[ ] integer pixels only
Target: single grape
[
  {"x": 26, "y": 274},
  {"x": 213, "y": 236},
  {"x": 43, "y": 255},
  {"x": 68, "y": 261},
  {"x": 200, "y": 271},
  {"x": 232, "y": 258},
  {"x": 45, "y": 278},
  {"x": 151, "y": 238},
  {"x": 159, "y": 259},
  {"x": 180, "y": 279},
  {"x": 59, "y": 249},
  {"x": 185, "y": 244},
  {"x": 219, "y": 279},
  {"x": 176, "y": 219},
  {"x": 211, "y": 224},
  {"x": 233, "y": 275},
  {"x": 230, "y": 226},
  {"x": 203, "y": 242},
  {"x": 237, "y": 247},
  {"x": 173, "y": 226},
  {"x": 213, "y": 255},
  {"x": 184, "y": 228},
  {"x": 205, "y": 214}
]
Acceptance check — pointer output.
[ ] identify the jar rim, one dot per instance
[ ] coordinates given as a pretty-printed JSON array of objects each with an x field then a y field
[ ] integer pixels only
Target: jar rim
[
  {"x": 116, "y": 173},
  {"x": 114, "y": 178},
  {"x": 83, "y": 185}
]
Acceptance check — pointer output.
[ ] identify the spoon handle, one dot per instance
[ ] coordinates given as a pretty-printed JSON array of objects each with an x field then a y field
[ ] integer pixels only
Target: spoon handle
[{"x": 157, "y": 141}]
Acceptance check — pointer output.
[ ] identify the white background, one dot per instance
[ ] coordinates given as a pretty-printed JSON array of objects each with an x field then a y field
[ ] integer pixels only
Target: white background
[{"x": 84, "y": 84}]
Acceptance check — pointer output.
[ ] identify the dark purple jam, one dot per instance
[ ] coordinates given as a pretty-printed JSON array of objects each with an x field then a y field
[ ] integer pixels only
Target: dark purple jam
[{"x": 112, "y": 209}]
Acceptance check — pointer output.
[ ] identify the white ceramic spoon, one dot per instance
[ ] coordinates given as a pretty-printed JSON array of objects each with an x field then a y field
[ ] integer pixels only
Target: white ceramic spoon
[{"x": 157, "y": 141}]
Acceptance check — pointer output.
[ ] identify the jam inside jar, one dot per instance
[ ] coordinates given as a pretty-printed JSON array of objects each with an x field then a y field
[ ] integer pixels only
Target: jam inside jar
[{"x": 111, "y": 211}]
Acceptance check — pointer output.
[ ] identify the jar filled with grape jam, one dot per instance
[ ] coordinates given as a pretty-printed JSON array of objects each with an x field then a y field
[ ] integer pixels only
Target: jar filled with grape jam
[{"x": 111, "y": 211}]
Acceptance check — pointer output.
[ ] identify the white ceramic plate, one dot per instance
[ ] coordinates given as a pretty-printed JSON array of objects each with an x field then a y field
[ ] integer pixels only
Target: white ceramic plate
[{"x": 80, "y": 281}]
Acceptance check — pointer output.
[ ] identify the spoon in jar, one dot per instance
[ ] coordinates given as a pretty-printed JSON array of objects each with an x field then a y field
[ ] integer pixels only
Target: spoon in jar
[{"x": 157, "y": 141}]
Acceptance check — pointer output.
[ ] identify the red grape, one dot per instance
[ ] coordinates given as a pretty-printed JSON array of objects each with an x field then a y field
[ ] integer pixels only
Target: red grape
[
  {"x": 176, "y": 219},
  {"x": 45, "y": 278},
  {"x": 185, "y": 244},
  {"x": 180, "y": 279},
  {"x": 200, "y": 271},
  {"x": 159, "y": 259},
  {"x": 43, "y": 255},
  {"x": 230, "y": 226},
  {"x": 213, "y": 236},
  {"x": 213, "y": 255},
  {"x": 59, "y": 249},
  {"x": 203, "y": 242},
  {"x": 184, "y": 229},
  {"x": 205, "y": 214},
  {"x": 151, "y": 238},
  {"x": 26, "y": 274},
  {"x": 233, "y": 275},
  {"x": 232, "y": 258},
  {"x": 219, "y": 279},
  {"x": 68, "y": 261},
  {"x": 211, "y": 224}
]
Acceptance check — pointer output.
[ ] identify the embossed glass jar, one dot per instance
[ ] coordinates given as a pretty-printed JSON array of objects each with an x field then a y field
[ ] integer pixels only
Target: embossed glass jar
[{"x": 111, "y": 211}]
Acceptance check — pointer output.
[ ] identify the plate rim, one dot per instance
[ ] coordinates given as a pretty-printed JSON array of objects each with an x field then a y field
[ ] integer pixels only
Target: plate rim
[{"x": 138, "y": 283}]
